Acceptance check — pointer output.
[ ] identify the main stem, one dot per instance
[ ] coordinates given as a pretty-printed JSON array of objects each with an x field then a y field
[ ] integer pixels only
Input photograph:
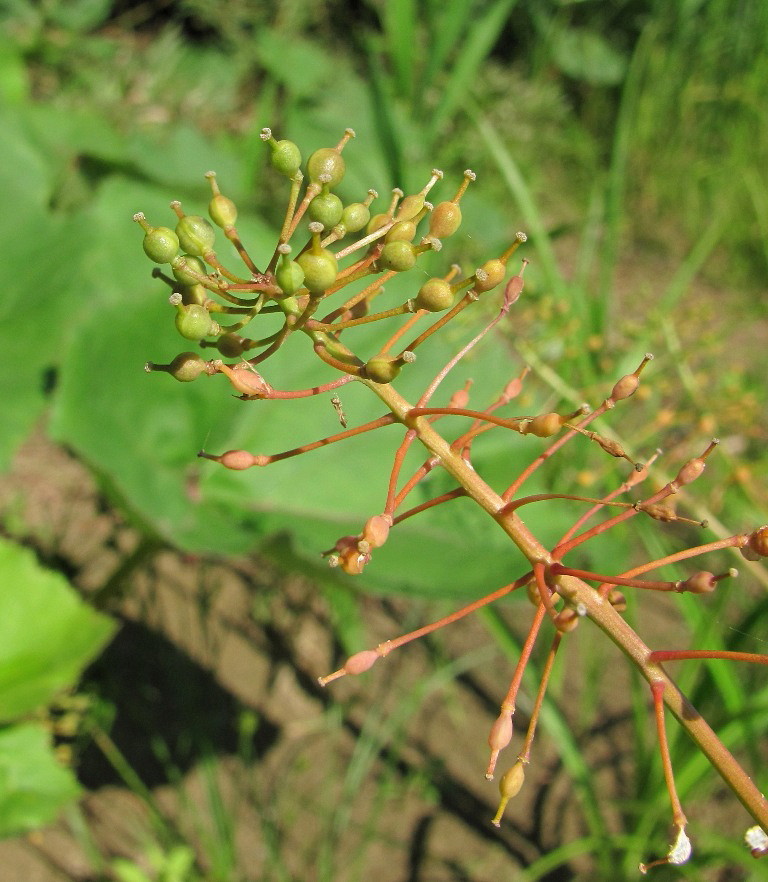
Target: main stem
[{"x": 580, "y": 594}]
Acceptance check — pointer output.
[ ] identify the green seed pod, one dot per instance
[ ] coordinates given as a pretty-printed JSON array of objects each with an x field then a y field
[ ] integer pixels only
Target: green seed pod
[
  {"x": 231, "y": 345},
  {"x": 435, "y": 295},
  {"x": 180, "y": 266},
  {"x": 355, "y": 216},
  {"x": 223, "y": 211},
  {"x": 185, "y": 367},
  {"x": 196, "y": 235},
  {"x": 402, "y": 231},
  {"x": 192, "y": 320},
  {"x": 490, "y": 274},
  {"x": 288, "y": 274},
  {"x": 326, "y": 208},
  {"x": 444, "y": 220},
  {"x": 160, "y": 243},
  {"x": 193, "y": 294},
  {"x": 286, "y": 156},
  {"x": 398, "y": 256},
  {"x": 326, "y": 161},
  {"x": 410, "y": 207},
  {"x": 377, "y": 222},
  {"x": 382, "y": 368},
  {"x": 320, "y": 268}
]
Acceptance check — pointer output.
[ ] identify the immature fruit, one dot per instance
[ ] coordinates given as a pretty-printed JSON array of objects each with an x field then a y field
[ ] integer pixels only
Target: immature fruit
[
  {"x": 376, "y": 531},
  {"x": 355, "y": 216},
  {"x": 196, "y": 235},
  {"x": 435, "y": 295},
  {"x": 319, "y": 267},
  {"x": 285, "y": 158},
  {"x": 398, "y": 256},
  {"x": 231, "y": 345},
  {"x": 237, "y": 460},
  {"x": 326, "y": 208},
  {"x": 625, "y": 387},
  {"x": 326, "y": 161},
  {"x": 543, "y": 426},
  {"x": 444, "y": 220},
  {"x": 490, "y": 274},
  {"x": 512, "y": 781},
  {"x": 377, "y": 222},
  {"x": 193, "y": 321},
  {"x": 160, "y": 243},
  {"x": 382, "y": 368},
  {"x": 410, "y": 207},
  {"x": 182, "y": 264},
  {"x": 510, "y": 785},
  {"x": 289, "y": 275},
  {"x": 223, "y": 211},
  {"x": 402, "y": 231},
  {"x": 193, "y": 294},
  {"x": 187, "y": 366},
  {"x": 361, "y": 661}
]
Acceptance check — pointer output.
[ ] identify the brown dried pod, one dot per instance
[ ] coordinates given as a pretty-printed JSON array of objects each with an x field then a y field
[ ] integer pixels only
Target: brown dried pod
[
  {"x": 376, "y": 531},
  {"x": 542, "y": 426},
  {"x": 758, "y": 541}
]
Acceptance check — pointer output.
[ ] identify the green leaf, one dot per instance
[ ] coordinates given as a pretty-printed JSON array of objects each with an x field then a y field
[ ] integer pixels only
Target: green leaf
[
  {"x": 34, "y": 787},
  {"x": 303, "y": 67},
  {"x": 47, "y": 633},
  {"x": 45, "y": 295}
]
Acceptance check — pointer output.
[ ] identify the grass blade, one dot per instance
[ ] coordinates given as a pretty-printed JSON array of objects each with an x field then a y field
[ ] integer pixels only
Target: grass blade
[{"x": 484, "y": 33}]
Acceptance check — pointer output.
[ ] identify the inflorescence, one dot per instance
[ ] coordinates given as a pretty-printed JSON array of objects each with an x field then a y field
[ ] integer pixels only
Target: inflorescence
[{"x": 325, "y": 247}]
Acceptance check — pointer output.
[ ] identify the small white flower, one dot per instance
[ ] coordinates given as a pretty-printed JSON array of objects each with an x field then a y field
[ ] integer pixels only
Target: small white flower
[
  {"x": 757, "y": 841},
  {"x": 681, "y": 850}
]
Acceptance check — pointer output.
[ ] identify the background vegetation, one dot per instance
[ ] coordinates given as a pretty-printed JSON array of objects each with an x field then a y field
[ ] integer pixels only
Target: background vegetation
[{"x": 628, "y": 139}]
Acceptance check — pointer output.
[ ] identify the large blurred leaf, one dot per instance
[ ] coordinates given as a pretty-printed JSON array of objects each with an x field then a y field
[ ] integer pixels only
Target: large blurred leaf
[
  {"x": 33, "y": 785},
  {"x": 47, "y": 634},
  {"x": 43, "y": 251}
]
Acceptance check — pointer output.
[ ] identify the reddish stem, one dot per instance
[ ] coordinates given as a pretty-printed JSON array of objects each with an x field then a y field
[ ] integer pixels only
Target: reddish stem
[
  {"x": 549, "y": 452},
  {"x": 558, "y": 569},
  {"x": 458, "y": 493},
  {"x": 386, "y": 420},
  {"x": 662, "y": 655},
  {"x": 508, "y": 705},
  {"x": 385, "y": 648},
  {"x": 678, "y": 815},
  {"x": 525, "y": 752}
]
